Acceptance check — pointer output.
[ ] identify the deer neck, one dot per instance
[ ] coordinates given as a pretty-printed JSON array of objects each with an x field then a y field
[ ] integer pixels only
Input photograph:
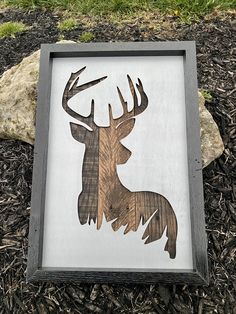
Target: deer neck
[
  {"x": 108, "y": 155},
  {"x": 110, "y": 189},
  {"x": 100, "y": 182},
  {"x": 89, "y": 193}
]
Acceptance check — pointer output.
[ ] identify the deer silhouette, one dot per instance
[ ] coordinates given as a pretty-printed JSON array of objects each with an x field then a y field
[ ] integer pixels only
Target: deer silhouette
[{"x": 103, "y": 194}]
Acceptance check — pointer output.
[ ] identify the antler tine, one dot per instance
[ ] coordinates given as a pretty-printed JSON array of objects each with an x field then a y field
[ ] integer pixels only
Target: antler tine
[
  {"x": 144, "y": 99},
  {"x": 72, "y": 89},
  {"x": 110, "y": 114},
  {"x": 77, "y": 89},
  {"x": 75, "y": 77},
  {"x": 123, "y": 102},
  {"x": 133, "y": 92},
  {"x": 137, "y": 109},
  {"x": 92, "y": 109}
]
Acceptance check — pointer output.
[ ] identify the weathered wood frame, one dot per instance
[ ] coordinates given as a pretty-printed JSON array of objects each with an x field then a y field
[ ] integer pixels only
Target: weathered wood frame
[{"x": 199, "y": 273}]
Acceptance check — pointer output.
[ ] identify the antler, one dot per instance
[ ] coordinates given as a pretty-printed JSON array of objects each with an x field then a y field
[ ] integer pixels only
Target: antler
[
  {"x": 137, "y": 109},
  {"x": 72, "y": 89}
]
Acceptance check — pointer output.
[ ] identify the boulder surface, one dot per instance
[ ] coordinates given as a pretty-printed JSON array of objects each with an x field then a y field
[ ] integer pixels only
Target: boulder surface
[
  {"x": 211, "y": 142},
  {"x": 18, "y": 100}
]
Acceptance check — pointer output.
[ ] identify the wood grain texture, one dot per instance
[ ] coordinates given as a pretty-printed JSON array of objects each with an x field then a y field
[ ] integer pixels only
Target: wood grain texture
[
  {"x": 102, "y": 191},
  {"x": 111, "y": 275},
  {"x": 126, "y": 207},
  {"x": 88, "y": 202}
]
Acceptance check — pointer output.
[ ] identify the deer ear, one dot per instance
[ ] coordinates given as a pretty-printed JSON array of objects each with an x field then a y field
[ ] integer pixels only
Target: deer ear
[
  {"x": 125, "y": 128},
  {"x": 79, "y": 132}
]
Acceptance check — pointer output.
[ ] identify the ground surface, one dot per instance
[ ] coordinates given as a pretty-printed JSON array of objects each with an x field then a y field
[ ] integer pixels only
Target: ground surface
[{"x": 216, "y": 72}]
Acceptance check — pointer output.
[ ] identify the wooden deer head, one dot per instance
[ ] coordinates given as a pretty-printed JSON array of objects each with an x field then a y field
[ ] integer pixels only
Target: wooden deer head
[{"x": 102, "y": 192}]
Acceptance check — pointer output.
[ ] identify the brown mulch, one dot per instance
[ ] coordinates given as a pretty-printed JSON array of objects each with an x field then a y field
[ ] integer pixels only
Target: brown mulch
[{"x": 216, "y": 53}]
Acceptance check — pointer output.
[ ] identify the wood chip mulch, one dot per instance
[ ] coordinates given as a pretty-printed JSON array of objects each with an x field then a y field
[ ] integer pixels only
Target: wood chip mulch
[{"x": 216, "y": 53}]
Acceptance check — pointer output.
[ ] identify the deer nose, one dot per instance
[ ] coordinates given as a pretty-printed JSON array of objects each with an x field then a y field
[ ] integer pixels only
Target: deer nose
[{"x": 124, "y": 155}]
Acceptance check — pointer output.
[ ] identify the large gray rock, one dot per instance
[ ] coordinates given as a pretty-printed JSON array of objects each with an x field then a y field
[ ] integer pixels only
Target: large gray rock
[
  {"x": 18, "y": 101},
  {"x": 211, "y": 142},
  {"x": 18, "y": 94}
]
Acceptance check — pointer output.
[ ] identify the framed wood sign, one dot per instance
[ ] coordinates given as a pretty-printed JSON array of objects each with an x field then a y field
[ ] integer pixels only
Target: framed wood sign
[{"x": 117, "y": 184}]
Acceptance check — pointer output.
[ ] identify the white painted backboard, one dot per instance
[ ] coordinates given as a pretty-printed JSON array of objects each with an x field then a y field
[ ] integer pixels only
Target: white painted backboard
[{"x": 158, "y": 163}]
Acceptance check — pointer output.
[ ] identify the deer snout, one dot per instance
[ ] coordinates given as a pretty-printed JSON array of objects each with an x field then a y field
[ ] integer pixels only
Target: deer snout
[{"x": 124, "y": 155}]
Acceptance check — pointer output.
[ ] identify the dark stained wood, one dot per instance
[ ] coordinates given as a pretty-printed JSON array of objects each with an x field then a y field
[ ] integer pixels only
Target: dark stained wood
[
  {"x": 112, "y": 275},
  {"x": 113, "y": 197},
  {"x": 102, "y": 192},
  {"x": 88, "y": 198},
  {"x": 128, "y": 208},
  {"x": 71, "y": 89}
]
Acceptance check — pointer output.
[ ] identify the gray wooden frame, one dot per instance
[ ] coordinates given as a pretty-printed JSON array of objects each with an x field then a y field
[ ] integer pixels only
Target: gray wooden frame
[{"x": 199, "y": 273}]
